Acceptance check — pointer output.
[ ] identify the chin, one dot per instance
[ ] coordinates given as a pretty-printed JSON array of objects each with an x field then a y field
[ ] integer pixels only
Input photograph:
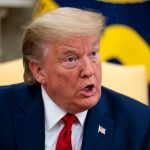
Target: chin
[{"x": 92, "y": 102}]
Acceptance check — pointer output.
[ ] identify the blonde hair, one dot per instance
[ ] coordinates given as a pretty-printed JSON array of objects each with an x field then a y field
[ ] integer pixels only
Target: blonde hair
[{"x": 56, "y": 25}]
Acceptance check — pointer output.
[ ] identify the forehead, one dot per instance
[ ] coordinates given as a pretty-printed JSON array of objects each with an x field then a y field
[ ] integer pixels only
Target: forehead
[{"x": 81, "y": 42}]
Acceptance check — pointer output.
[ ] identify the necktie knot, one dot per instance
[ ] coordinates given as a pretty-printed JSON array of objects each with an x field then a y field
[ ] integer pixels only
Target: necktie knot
[{"x": 69, "y": 119}]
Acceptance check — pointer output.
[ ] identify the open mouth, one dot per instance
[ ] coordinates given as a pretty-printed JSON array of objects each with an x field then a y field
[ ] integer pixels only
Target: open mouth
[
  {"x": 88, "y": 91},
  {"x": 89, "y": 87}
]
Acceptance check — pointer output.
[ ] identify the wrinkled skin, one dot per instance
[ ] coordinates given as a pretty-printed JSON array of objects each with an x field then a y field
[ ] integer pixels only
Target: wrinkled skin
[{"x": 70, "y": 73}]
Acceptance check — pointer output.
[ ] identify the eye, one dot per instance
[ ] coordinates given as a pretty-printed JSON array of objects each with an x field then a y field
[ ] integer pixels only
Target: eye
[
  {"x": 93, "y": 54},
  {"x": 70, "y": 59},
  {"x": 70, "y": 62}
]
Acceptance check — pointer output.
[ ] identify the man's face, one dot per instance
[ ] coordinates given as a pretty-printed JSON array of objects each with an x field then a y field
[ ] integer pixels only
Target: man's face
[{"x": 72, "y": 73}]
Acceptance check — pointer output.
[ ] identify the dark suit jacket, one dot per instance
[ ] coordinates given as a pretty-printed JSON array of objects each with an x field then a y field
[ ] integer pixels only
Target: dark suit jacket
[{"x": 127, "y": 122}]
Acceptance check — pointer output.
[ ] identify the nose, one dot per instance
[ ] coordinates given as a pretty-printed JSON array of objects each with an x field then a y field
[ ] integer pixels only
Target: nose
[{"x": 87, "y": 68}]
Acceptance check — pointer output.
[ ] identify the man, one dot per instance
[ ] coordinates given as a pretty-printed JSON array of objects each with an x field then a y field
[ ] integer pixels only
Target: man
[{"x": 62, "y": 105}]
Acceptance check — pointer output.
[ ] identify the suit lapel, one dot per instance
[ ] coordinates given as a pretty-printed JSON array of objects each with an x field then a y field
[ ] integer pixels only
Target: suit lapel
[
  {"x": 29, "y": 126},
  {"x": 92, "y": 139},
  {"x": 98, "y": 116}
]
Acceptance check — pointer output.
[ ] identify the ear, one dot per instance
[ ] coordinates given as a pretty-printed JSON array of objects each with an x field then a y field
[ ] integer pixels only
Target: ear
[{"x": 37, "y": 71}]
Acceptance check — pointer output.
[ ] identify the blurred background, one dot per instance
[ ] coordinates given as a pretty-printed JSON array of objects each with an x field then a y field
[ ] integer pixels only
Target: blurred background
[
  {"x": 125, "y": 41},
  {"x": 13, "y": 15}
]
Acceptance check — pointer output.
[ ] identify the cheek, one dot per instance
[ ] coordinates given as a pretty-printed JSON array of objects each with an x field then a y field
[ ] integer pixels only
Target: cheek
[
  {"x": 98, "y": 72},
  {"x": 61, "y": 80},
  {"x": 68, "y": 77}
]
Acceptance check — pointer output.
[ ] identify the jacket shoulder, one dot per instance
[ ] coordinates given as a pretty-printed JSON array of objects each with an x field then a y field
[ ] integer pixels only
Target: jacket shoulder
[
  {"x": 123, "y": 104},
  {"x": 16, "y": 94},
  {"x": 11, "y": 91},
  {"x": 131, "y": 119}
]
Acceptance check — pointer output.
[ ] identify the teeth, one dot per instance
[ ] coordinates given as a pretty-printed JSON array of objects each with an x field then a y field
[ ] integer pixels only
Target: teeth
[{"x": 88, "y": 88}]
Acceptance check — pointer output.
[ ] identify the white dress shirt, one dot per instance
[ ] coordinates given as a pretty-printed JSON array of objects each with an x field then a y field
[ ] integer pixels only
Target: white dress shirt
[{"x": 53, "y": 124}]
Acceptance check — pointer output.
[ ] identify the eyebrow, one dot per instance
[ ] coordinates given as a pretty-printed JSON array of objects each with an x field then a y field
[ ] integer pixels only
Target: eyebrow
[
  {"x": 69, "y": 52},
  {"x": 96, "y": 43}
]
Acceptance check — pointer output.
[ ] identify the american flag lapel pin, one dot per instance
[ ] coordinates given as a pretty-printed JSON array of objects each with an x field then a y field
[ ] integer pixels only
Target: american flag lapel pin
[{"x": 101, "y": 130}]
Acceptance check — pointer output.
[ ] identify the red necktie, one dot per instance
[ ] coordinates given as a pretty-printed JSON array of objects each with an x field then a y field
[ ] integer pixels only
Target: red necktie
[{"x": 64, "y": 139}]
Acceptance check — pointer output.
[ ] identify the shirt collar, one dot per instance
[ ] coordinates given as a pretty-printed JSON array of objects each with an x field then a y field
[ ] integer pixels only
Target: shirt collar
[{"x": 51, "y": 110}]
